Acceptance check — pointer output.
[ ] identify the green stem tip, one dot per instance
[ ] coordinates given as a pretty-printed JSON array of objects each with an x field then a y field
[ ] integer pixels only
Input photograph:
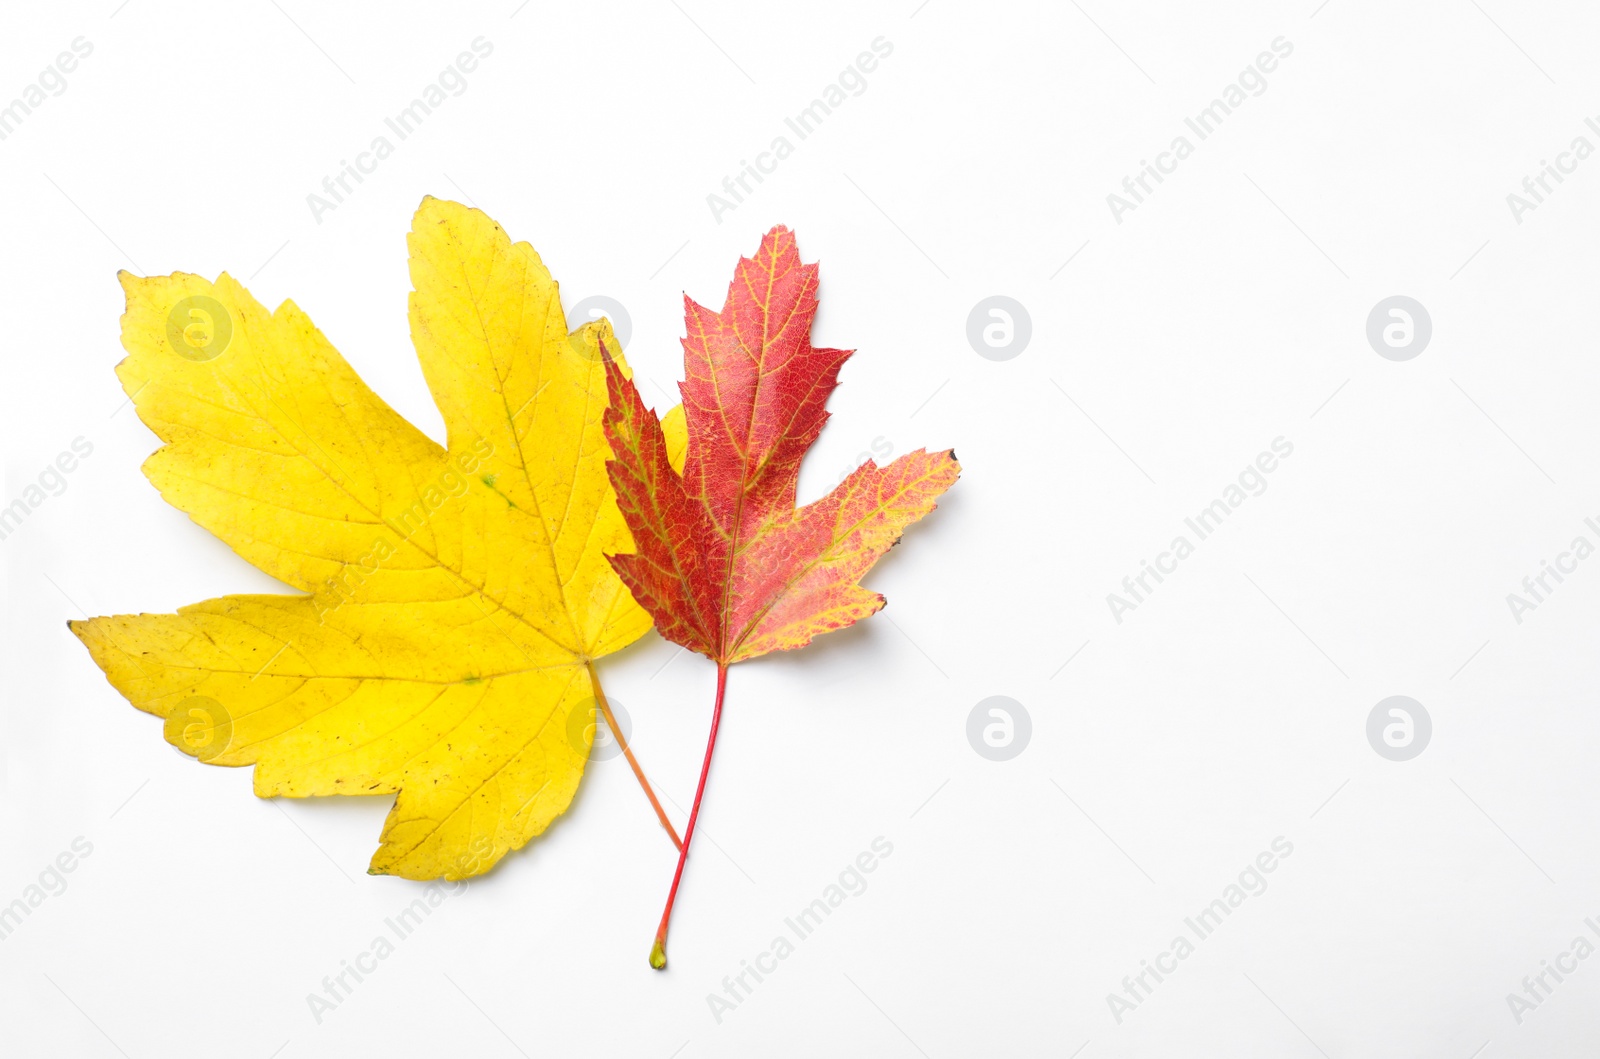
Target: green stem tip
[{"x": 658, "y": 956}]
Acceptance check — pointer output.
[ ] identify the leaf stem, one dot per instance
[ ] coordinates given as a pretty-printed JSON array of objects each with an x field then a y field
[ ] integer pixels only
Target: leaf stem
[
  {"x": 627, "y": 752},
  {"x": 658, "y": 952}
]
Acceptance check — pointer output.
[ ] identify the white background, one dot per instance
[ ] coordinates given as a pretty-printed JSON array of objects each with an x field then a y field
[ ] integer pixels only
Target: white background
[{"x": 1227, "y": 310}]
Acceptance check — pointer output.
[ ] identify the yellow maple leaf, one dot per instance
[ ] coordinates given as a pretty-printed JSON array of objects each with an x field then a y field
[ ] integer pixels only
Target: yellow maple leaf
[{"x": 454, "y": 599}]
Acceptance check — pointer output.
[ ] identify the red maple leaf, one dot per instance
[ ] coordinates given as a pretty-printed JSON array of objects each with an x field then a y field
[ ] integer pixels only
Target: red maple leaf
[{"x": 725, "y": 562}]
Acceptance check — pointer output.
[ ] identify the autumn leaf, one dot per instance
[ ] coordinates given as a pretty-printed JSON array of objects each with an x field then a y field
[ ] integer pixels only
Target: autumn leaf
[
  {"x": 453, "y": 599},
  {"x": 725, "y": 563}
]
